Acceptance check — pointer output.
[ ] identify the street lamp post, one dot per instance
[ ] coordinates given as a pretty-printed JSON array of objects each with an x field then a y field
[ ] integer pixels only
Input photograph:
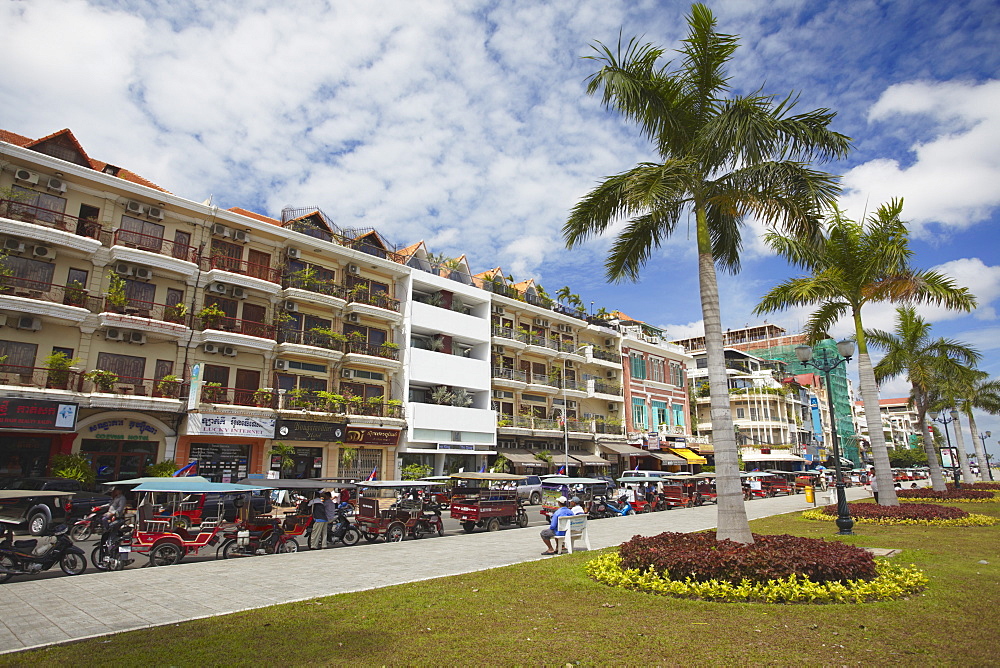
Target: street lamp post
[
  {"x": 982, "y": 437},
  {"x": 825, "y": 365},
  {"x": 945, "y": 420}
]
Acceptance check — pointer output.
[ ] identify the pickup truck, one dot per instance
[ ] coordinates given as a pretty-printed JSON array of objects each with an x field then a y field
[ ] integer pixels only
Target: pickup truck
[
  {"x": 530, "y": 490},
  {"x": 39, "y": 513}
]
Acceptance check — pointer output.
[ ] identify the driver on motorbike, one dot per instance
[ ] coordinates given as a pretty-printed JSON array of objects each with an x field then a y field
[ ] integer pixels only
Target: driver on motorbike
[{"x": 116, "y": 509}]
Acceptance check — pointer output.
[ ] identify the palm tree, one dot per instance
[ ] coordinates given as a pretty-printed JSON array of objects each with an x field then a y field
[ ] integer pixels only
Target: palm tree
[
  {"x": 852, "y": 265},
  {"x": 926, "y": 361},
  {"x": 721, "y": 157},
  {"x": 563, "y": 294},
  {"x": 981, "y": 393}
]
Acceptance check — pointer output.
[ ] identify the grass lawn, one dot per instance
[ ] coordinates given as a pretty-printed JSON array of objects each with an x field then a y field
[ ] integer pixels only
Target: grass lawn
[{"x": 549, "y": 613}]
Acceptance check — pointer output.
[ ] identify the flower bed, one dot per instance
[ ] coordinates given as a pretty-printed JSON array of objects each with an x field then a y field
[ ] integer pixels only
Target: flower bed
[
  {"x": 952, "y": 494},
  {"x": 891, "y": 582},
  {"x": 978, "y": 485},
  {"x": 911, "y": 513}
]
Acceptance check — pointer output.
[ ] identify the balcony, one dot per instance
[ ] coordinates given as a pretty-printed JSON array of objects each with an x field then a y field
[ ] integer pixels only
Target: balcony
[
  {"x": 137, "y": 387},
  {"x": 337, "y": 292},
  {"x": 174, "y": 313},
  {"x": 509, "y": 378},
  {"x": 49, "y": 292},
  {"x": 384, "y": 351},
  {"x": 40, "y": 378},
  {"x": 605, "y": 388},
  {"x": 241, "y": 267},
  {"x": 375, "y": 304},
  {"x": 236, "y": 396},
  {"x": 540, "y": 382},
  {"x": 574, "y": 388},
  {"x": 158, "y": 245},
  {"x": 507, "y": 336},
  {"x": 325, "y": 402},
  {"x": 311, "y": 343},
  {"x": 258, "y": 330},
  {"x": 36, "y": 215}
]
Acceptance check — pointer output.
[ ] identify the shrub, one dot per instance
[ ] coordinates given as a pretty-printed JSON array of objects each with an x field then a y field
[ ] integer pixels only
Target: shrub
[
  {"x": 952, "y": 494},
  {"x": 978, "y": 485},
  {"x": 75, "y": 467},
  {"x": 701, "y": 558},
  {"x": 891, "y": 582},
  {"x": 163, "y": 469},
  {"x": 911, "y": 513}
]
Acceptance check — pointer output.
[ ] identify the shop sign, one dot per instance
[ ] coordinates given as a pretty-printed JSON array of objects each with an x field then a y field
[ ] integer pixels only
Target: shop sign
[
  {"x": 456, "y": 446},
  {"x": 634, "y": 438},
  {"x": 372, "y": 436},
  {"x": 114, "y": 430},
  {"x": 211, "y": 424},
  {"x": 303, "y": 430},
  {"x": 653, "y": 441},
  {"x": 37, "y": 414}
]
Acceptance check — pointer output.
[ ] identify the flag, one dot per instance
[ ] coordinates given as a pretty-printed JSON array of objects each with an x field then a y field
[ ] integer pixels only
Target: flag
[
  {"x": 636, "y": 469},
  {"x": 190, "y": 469},
  {"x": 561, "y": 471},
  {"x": 482, "y": 469},
  {"x": 373, "y": 475}
]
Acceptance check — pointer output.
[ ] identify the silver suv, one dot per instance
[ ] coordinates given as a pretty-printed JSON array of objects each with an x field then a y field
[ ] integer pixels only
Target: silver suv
[{"x": 530, "y": 489}]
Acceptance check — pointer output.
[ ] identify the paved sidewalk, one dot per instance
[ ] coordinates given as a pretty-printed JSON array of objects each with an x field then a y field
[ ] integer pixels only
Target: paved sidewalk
[{"x": 55, "y": 610}]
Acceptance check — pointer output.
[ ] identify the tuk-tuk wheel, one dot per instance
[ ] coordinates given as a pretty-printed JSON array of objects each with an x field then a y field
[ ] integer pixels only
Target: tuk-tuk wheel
[
  {"x": 493, "y": 525},
  {"x": 370, "y": 537},
  {"x": 468, "y": 527},
  {"x": 395, "y": 533},
  {"x": 522, "y": 520},
  {"x": 165, "y": 554},
  {"x": 182, "y": 522}
]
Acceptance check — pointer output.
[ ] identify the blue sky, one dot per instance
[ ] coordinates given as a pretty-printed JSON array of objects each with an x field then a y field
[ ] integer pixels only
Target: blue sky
[{"x": 467, "y": 124}]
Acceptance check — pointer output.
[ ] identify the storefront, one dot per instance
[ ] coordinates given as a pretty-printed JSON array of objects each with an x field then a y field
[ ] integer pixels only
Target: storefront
[
  {"x": 31, "y": 432},
  {"x": 368, "y": 450},
  {"x": 226, "y": 448},
  {"x": 311, "y": 442},
  {"x": 623, "y": 457},
  {"x": 121, "y": 445}
]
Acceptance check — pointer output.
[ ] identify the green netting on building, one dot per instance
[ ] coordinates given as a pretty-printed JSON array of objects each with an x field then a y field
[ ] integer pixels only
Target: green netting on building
[{"x": 842, "y": 413}]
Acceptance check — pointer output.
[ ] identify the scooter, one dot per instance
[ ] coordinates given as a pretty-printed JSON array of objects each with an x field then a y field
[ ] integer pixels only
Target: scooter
[
  {"x": 26, "y": 557},
  {"x": 341, "y": 529},
  {"x": 619, "y": 507},
  {"x": 84, "y": 527},
  {"x": 114, "y": 551}
]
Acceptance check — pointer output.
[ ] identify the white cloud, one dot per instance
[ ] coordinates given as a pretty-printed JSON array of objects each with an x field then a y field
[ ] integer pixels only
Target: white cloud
[{"x": 684, "y": 331}]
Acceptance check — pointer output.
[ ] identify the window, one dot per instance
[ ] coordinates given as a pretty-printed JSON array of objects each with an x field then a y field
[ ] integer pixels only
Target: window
[
  {"x": 637, "y": 366},
  {"x": 532, "y": 397},
  {"x": 139, "y": 294},
  {"x": 17, "y": 355},
  {"x": 216, "y": 374},
  {"x": 52, "y": 205},
  {"x": 678, "y": 415},
  {"x": 226, "y": 255},
  {"x": 29, "y": 274},
  {"x": 182, "y": 245},
  {"x": 676, "y": 374},
  {"x": 741, "y": 413},
  {"x": 227, "y": 306},
  {"x": 124, "y": 366},
  {"x": 141, "y": 234},
  {"x": 259, "y": 264},
  {"x": 174, "y": 297},
  {"x": 68, "y": 352},
  {"x": 362, "y": 390},
  {"x": 639, "y": 420},
  {"x": 656, "y": 369},
  {"x": 305, "y": 366},
  {"x": 376, "y": 337},
  {"x": 370, "y": 375},
  {"x": 660, "y": 411},
  {"x": 77, "y": 276}
]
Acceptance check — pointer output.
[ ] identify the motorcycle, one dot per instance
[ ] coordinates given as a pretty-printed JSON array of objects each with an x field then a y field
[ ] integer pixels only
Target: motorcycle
[
  {"x": 83, "y": 529},
  {"x": 618, "y": 507},
  {"x": 341, "y": 529},
  {"x": 26, "y": 557},
  {"x": 249, "y": 541},
  {"x": 114, "y": 550}
]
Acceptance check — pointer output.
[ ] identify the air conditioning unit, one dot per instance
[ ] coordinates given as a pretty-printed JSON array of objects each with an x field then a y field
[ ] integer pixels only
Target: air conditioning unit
[
  {"x": 541, "y": 322},
  {"x": 240, "y": 236},
  {"x": 114, "y": 335},
  {"x": 499, "y": 310},
  {"x": 211, "y": 348},
  {"x": 228, "y": 351},
  {"x": 291, "y": 307},
  {"x": 142, "y": 273},
  {"x": 293, "y": 253},
  {"x": 155, "y": 212},
  {"x": 3, "y": 320},
  {"x": 218, "y": 288},
  {"x": 56, "y": 185},
  {"x": 565, "y": 328},
  {"x": 609, "y": 342},
  {"x": 498, "y": 394},
  {"x": 135, "y": 207},
  {"x": 29, "y": 323},
  {"x": 499, "y": 350},
  {"x": 220, "y": 230},
  {"x": 280, "y": 365},
  {"x": 352, "y": 317},
  {"x": 346, "y": 373},
  {"x": 238, "y": 293},
  {"x": 43, "y": 253},
  {"x": 571, "y": 405},
  {"x": 136, "y": 337},
  {"x": 612, "y": 408},
  {"x": 26, "y": 176},
  {"x": 612, "y": 374},
  {"x": 13, "y": 245},
  {"x": 123, "y": 269},
  {"x": 353, "y": 269}
]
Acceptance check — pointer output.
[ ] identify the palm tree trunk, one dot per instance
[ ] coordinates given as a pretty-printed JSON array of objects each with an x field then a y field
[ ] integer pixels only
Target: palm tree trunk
[
  {"x": 869, "y": 395},
  {"x": 978, "y": 444},
  {"x": 933, "y": 463},
  {"x": 732, "y": 518},
  {"x": 963, "y": 459}
]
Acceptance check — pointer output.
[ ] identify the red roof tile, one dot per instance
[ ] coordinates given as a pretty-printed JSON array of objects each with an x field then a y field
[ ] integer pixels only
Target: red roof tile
[{"x": 256, "y": 216}]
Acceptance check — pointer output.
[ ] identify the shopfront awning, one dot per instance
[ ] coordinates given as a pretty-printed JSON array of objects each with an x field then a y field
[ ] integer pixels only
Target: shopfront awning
[
  {"x": 523, "y": 458},
  {"x": 689, "y": 456},
  {"x": 774, "y": 457},
  {"x": 591, "y": 460},
  {"x": 623, "y": 449},
  {"x": 666, "y": 457}
]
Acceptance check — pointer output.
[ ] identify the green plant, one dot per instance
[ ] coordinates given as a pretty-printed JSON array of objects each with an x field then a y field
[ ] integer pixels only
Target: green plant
[
  {"x": 442, "y": 396},
  {"x": 297, "y": 398},
  {"x": 461, "y": 398},
  {"x": 169, "y": 385},
  {"x": 59, "y": 366},
  {"x": 388, "y": 345},
  {"x": 415, "y": 471},
  {"x": 500, "y": 465},
  {"x": 175, "y": 312},
  {"x": 74, "y": 467},
  {"x": 348, "y": 456},
  {"x": 544, "y": 456},
  {"x": 75, "y": 294},
  {"x": 102, "y": 379},
  {"x": 279, "y": 449},
  {"x": 305, "y": 278},
  {"x": 211, "y": 316},
  {"x": 263, "y": 396},
  {"x": 332, "y": 401},
  {"x": 163, "y": 469},
  {"x": 116, "y": 292},
  {"x": 213, "y": 393}
]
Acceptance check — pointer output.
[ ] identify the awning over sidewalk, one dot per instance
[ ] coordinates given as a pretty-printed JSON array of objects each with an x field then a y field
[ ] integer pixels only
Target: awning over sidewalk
[
  {"x": 523, "y": 458},
  {"x": 691, "y": 457},
  {"x": 591, "y": 460},
  {"x": 623, "y": 449},
  {"x": 774, "y": 457},
  {"x": 667, "y": 457}
]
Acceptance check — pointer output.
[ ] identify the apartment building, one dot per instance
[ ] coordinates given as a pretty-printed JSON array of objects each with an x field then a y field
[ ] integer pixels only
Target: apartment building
[{"x": 899, "y": 422}]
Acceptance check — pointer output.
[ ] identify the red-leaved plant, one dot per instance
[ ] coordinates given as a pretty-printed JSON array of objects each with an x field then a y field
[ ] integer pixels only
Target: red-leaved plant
[{"x": 910, "y": 511}]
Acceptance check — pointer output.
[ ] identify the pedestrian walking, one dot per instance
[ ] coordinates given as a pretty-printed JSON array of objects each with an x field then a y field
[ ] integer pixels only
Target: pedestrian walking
[{"x": 874, "y": 484}]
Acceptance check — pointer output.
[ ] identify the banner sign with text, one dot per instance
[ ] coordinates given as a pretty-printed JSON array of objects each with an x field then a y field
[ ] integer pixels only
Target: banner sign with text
[
  {"x": 211, "y": 424},
  {"x": 303, "y": 430},
  {"x": 37, "y": 414},
  {"x": 372, "y": 436}
]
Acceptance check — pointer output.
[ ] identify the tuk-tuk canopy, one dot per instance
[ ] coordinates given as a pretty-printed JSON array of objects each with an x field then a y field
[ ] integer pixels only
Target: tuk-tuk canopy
[
  {"x": 391, "y": 484},
  {"x": 132, "y": 482},
  {"x": 631, "y": 479},
  {"x": 559, "y": 481},
  {"x": 475, "y": 475},
  {"x": 295, "y": 483},
  {"x": 189, "y": 486}
]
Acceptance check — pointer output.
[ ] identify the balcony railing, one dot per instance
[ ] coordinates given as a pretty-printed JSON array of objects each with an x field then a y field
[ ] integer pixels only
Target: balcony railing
[
  {"x": 379, "y": 299},
  {"x": 578, "y": 385},
  {"x": 510, "y": 333},
  {"x": 605, "y": 387},
  {"x": 607, "y": 355},
  {"x": 30, "y": 213},
  {"x": 371, "y": 249},
  {"x": 312, "y": 285},
  {"x": 509, "y": 374},
  {"x": 311, "y": 401},
  {"x": 40, "y": 378},
  {"x": 571, "y": 312},
  {"x": 387, "y": 352},
  {"x": 309, "y": 338},
  {"x": 242, "y": 267},
  {"x": 543, "y": 379},
  {"x": 154, "y": 244},
  {"x": 249, "y": 327},
  {"x": 234, "y": 396},
  {"x": 581, "y": 426},
  {"x": 175, "y": 313},
  {"x": 139, "y": 387},
  {"x": 568, "y": 347},
  {"x": 48, "y": 292}
]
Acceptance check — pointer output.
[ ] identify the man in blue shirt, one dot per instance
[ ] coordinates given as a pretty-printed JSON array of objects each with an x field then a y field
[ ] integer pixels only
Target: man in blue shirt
[{"x": 552, "y": 531}]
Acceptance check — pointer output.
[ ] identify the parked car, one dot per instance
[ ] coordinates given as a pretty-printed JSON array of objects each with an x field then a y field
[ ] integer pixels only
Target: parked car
[
  {"x": 40, "y": 512},
  {"x": 530, "y": 489}
]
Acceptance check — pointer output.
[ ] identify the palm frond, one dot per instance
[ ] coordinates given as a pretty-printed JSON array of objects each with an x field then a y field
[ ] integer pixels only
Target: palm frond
[{"x": 633, "y": 246}]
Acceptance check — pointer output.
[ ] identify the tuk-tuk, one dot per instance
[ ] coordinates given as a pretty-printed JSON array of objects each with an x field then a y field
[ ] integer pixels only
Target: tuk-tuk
[
  {"x": 487, "y": 500},
  {"x": 782, "y": 483},
  {"x": 442, "y": 493},
  {"x": 414, "y": 513},
  {"x": 591, "y": 491},
  {"x": 646, "y": 492}
]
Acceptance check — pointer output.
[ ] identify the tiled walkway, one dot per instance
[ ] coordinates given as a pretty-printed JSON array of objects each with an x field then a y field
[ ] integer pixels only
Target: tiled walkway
[{"x": 54, "y": 610}]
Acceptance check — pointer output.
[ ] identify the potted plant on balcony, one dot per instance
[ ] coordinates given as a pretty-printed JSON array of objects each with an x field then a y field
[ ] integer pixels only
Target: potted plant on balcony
[
  {"x": 394, "y": 408},
  {"x": 264, "y": 397},
  {"x": 104, "y": 381},
  {"x": 59, "y": 367},
  {"x": 175, "y": 313},
  {"x": 355, "y": 404},
  {"x": 373, "y": 406},
  {"x": 117, "y": 299},
  {"x": 304, "y": 278},
  {"x": 388, "y": 350},
  {"x": 211, "y": 316},
  {"x": 213, "y": 393},
  {"x": 461, "y": 398},
  {"x": 297, "y": 398},
  {"x": 332, "y": 402},
  {"x": 169, "y": 386},
  {"x": 355, "y": 342},
  {"x": 442, "y": 396},
  {"x": 74, "y": 294}
]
